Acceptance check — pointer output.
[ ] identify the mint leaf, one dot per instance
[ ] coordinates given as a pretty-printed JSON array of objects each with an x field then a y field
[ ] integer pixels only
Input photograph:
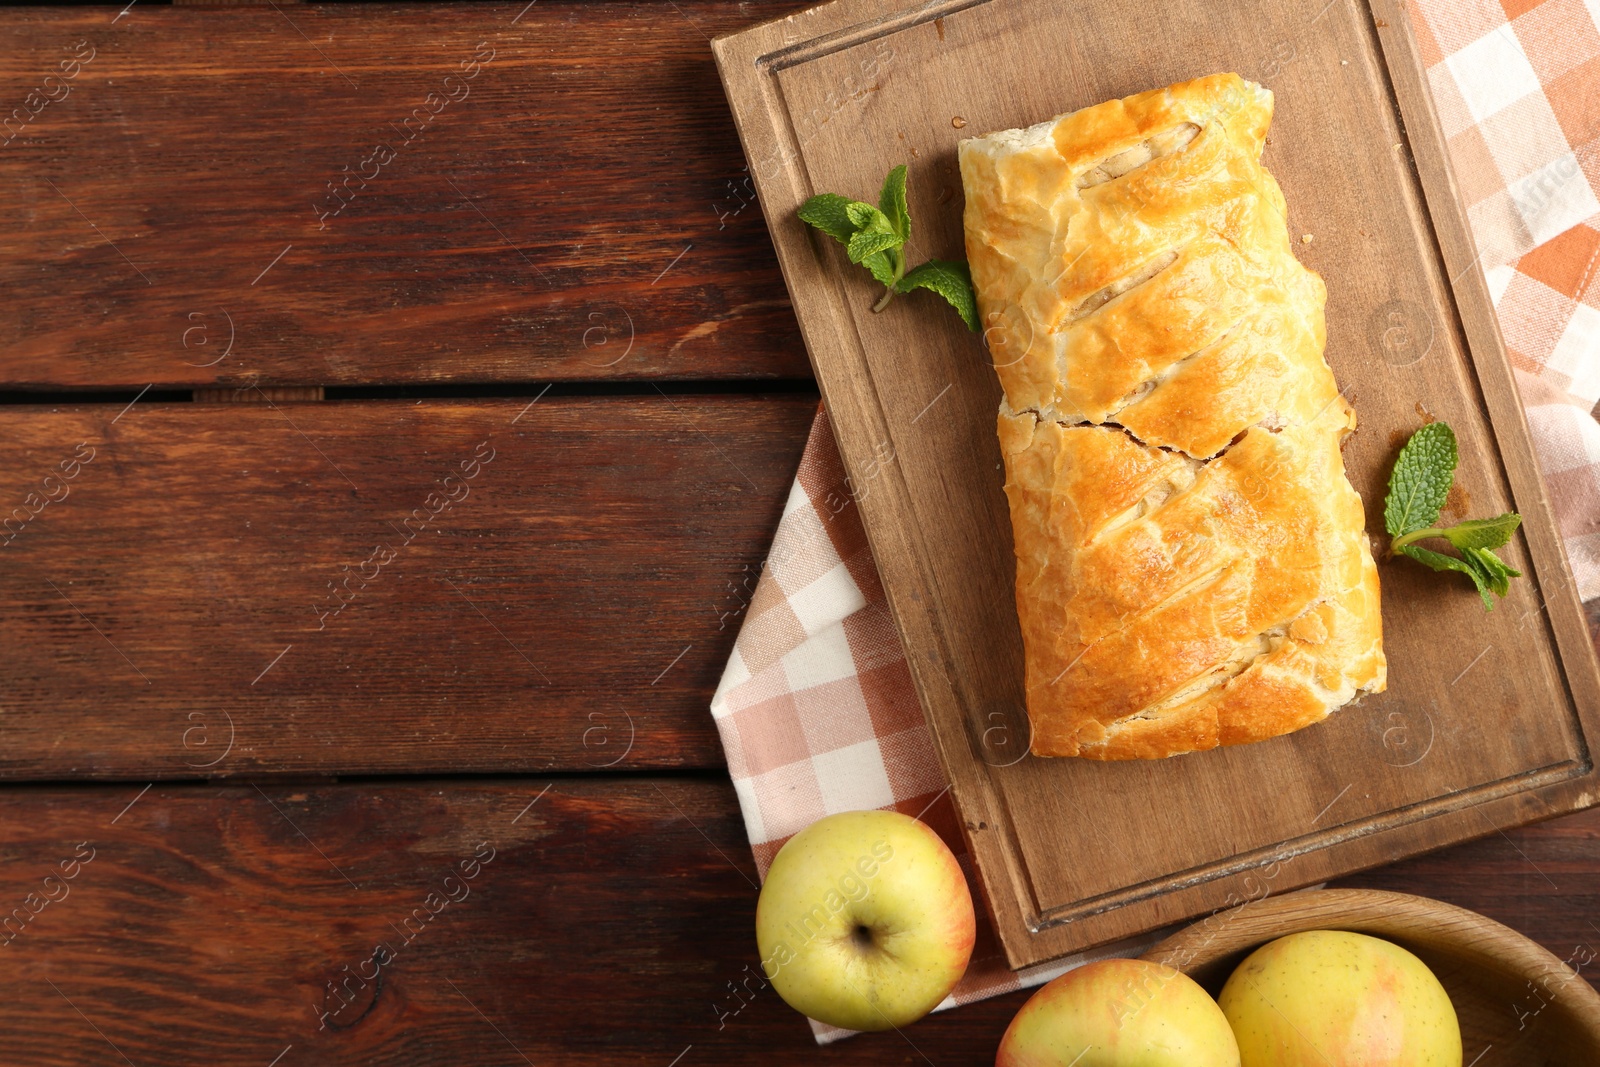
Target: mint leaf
[
  {"x": 1417, "y": 491},
  {"x": 868, "y": 218},
  {"x": 1437, "y": 560},
  {"x": 875, "y": 237},
  {"x": 826, "y": 211},
  {"x": 1421, "y": 480},
  {"x": 880, "y": 266},
  {"x": 1484, "y": 533},
  {"x": 868, "y": 242},
  {"x": 1441, "y": 562},
  {"x": 951, "y": 280},
  {"x": 1498, "y": 571},
  {"x": 892, "y": 202}
]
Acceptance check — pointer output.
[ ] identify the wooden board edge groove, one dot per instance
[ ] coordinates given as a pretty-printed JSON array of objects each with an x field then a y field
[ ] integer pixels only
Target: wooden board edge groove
[
  {"x": 1259, "y": 858},
  {"x": 857, "y": 33}
]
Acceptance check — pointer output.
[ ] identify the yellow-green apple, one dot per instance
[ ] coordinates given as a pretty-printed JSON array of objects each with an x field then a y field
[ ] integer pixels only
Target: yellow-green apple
[
  {"x": 865, "y": 920},
  {"x": 1119, "y": 1013},
  {"x": 1334, "y": 999}
]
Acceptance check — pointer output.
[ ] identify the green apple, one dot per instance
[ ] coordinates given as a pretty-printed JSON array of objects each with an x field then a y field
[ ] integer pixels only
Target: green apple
[
  {"x": 1327, "y": 998},
  {"x": 865, "y": 920},
  {"x": 1119, "y": 1013}
]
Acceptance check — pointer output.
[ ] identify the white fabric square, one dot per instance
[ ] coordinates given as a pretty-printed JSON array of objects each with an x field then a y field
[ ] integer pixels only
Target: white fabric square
[
  {"x": 1525, "y": 137},
  {"x": 1497, "y": 229},
  {"x": 1565, "y": 437},
  {"x": 745, "y": 788},
  {"x": 827, "y": 600},
  {"x": 1499, "y": 278},
  {"x": 1554, "y": 198},
  {"x": 1447, "y": 100},
  {"x": 1577, "y": 354},
  {"x": 802, "y": 549},
  {"x": 1492, "y": 73},
  {"x": 853, "y": 778},
  {"x": 824, "y": 657},
  {"x": 1584, "y": 553},
  {"x": 797, "y": 499},
  {"x": 733, "y": 676}
]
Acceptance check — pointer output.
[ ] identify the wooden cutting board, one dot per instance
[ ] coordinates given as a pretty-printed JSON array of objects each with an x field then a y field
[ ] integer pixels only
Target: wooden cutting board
[{"x": 1489, "y": 720}]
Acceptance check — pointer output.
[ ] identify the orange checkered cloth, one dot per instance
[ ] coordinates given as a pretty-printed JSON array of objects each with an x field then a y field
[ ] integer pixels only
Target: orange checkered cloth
[
  {"x": 816, "y": 708},
  {"x": 1517, "y": 87}
]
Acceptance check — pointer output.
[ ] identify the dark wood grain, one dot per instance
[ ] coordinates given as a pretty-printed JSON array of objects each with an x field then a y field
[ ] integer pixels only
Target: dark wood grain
[
  {"x": 585, "y": 589},
  {"x": 1074, "y": 852},
  {"x": 610, "y": 926},
  {"x": 521, "y": 232}
]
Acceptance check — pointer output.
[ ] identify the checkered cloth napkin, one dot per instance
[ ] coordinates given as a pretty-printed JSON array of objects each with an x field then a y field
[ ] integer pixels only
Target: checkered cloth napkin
[
  {"x": 1517, "y": 87},
  {"x": 817, "y": 711},
  {"x": 816, "y": 708}
]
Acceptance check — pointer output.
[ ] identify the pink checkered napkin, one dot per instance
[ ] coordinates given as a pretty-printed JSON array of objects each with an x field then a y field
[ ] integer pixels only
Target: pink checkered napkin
[
  {"x": 816, "y": 708},
  {"x": 1517, "y": 87},
  {"x": 817, "y": 711}
]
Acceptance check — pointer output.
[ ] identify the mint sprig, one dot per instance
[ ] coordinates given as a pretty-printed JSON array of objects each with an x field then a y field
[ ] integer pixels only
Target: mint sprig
[
  {"x": 951, "y": 280},
  {"x": 876, "y": 237},
  {"x": 829, "y": 212},
  {"x": 1417, "y": 491}
]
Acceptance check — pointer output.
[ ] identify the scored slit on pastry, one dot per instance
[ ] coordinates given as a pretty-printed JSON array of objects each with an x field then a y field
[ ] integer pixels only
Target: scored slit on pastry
[
  {"x": 1100, "y": 299},
  {"x": 1129, "y": 159},
  {"x": 1192, "y": 567}
]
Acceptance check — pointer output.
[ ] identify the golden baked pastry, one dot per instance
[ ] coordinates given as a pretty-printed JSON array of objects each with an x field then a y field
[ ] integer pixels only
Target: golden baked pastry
[{"x": 1192, "y": 567}]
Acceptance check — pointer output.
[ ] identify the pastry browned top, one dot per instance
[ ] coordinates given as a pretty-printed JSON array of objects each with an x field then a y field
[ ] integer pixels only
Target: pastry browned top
[{"x": 1192, "y": 568}]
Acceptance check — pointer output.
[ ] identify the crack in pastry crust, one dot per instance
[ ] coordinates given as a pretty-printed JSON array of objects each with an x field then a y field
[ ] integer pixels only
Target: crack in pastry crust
[{"x": 1192, "y": 565}]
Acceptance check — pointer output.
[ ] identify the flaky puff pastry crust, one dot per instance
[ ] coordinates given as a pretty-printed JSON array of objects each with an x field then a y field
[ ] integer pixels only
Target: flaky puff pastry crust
[{"x": 1192, "y": 564}]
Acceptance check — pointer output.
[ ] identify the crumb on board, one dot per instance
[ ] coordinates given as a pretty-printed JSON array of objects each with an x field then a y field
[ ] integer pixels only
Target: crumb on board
[
  {"x": 1305, "y": 238},
  {"x": 958, "y": 122}
]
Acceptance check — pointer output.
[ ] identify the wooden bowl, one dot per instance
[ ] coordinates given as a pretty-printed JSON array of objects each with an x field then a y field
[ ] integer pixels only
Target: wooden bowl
[{"x": 1518, "y": 1004}]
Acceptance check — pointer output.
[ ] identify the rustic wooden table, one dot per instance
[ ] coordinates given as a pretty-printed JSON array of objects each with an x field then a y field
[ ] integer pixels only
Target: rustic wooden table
[{"x": 396, "y": 399}]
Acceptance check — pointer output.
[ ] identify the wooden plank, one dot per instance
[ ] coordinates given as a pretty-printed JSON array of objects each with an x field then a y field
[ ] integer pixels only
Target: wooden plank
[
  {"x": 1075, "y": 853},
  {"x": 613, "y": 924},
  {"x": 571, "y": 204},
  {"x": 348, "y": 587}
]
